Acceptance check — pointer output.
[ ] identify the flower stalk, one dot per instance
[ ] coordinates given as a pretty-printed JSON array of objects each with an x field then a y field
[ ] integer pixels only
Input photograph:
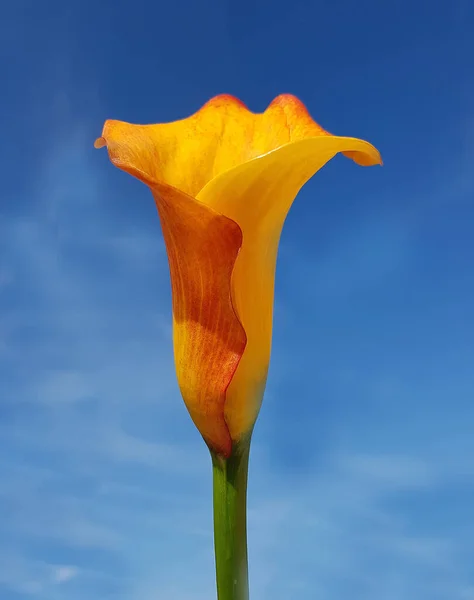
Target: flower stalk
[{"x": 230, "y": 522}]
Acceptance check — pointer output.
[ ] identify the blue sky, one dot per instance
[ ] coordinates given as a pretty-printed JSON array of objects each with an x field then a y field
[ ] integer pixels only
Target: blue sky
[{"x": 362, "y": 468}]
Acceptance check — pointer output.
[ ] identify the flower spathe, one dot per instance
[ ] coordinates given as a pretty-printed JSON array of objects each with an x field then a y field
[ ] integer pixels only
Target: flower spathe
[{"x": 223, "y": 181}]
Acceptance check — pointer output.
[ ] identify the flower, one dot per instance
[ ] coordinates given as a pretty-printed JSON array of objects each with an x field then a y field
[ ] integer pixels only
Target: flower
[{"x": 223, "y": 181}]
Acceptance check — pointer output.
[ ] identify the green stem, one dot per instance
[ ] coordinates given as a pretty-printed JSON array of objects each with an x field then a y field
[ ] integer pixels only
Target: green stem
[{"x": 230, "y": 522}]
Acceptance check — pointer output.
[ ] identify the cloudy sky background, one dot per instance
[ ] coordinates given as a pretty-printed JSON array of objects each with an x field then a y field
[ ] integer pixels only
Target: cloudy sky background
[{"x": 362, "y": 469}]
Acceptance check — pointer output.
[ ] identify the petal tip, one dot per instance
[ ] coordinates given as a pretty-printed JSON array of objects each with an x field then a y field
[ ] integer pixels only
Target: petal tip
[
  {"x": 287, "y": 99},
  {"x": 368, "y": 157},
  {"x": 378, "y": 161},
  {"x": 226, "y": 100},
  {"x": 100, "y": 142}
]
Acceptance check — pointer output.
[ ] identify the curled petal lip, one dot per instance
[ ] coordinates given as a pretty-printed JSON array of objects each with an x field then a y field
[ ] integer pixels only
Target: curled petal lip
[
  {"x": 228, "y": 169},
  {"x": 188, "y": 153}
]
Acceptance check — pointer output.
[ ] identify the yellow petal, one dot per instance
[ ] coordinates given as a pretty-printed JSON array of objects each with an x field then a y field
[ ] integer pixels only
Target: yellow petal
[
  {"x": 257, "y": 195},
  {"x": 222, "y": 172}
]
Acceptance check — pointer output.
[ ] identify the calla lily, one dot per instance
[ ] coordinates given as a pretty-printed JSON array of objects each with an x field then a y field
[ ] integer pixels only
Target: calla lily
[{"x": 223, "y": 181}]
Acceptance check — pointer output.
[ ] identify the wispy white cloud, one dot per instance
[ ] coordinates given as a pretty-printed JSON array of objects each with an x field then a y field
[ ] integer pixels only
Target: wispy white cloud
[
  {"x": 64, "y": 573},
  {"x": 34, "y": 578}
]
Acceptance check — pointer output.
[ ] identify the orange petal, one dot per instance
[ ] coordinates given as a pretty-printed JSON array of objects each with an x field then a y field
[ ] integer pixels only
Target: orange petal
[
  {"x": 208, "y": 338},
  {"x": 209, "y": 341}
]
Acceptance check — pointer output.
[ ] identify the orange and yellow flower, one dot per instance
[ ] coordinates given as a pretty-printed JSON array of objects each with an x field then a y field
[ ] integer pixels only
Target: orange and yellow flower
[{"x": 223, "y": 181}]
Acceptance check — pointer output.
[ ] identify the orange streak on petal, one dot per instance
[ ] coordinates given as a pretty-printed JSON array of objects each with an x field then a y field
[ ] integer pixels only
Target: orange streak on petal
[{"x": 209, "y": 340}]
